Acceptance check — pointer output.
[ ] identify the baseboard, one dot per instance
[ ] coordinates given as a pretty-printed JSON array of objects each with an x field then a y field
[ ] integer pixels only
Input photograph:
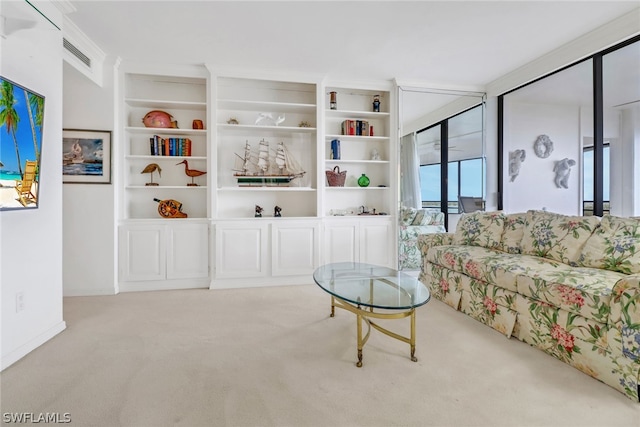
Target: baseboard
[
  {"x": 261, "y": 282},
  {"x": 23, "y": 350},
  {"x": 87, "y": 292}
]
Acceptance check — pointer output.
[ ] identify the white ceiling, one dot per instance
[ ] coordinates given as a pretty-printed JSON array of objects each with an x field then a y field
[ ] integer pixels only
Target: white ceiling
[{"x": 461, "y": 44}]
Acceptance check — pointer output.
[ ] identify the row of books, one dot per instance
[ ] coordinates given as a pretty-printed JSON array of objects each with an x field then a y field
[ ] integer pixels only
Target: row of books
[
  {"x": 356, "y": 127},
  {"x": 170, "y": 146}
]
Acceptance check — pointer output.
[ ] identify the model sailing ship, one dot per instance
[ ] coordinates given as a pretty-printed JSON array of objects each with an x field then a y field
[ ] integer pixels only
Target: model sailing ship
[{"x": 264, "y": 169}]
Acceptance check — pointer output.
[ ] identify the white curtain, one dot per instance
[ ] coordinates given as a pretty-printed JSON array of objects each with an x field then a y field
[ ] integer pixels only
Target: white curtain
[{"x": 410, "y": 172}]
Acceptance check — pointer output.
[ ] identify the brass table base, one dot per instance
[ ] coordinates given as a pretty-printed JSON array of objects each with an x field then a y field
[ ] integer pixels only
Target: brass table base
[{"x": 366, "y": 315}]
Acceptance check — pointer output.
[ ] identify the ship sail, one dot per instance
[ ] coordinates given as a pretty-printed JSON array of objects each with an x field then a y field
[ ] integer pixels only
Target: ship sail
[{"x": 263, "y": 157}]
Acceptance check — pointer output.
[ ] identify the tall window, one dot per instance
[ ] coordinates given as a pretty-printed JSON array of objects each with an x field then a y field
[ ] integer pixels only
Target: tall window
[
  {"x": 458, "y": 142},
  {"x": 463, "y": 181}
]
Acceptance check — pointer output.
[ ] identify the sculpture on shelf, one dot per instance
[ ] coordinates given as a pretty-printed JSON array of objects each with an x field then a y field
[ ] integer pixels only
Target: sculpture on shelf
[
  {"x": 375, "y": 155},
  {"x": 562, "y": 170},
  {"x": 170, "y": 208},
  {"x": 191, "y": 172},
  {"x": 277, "y": 212},
  {"x": 150, "y": 169},
  {"x": 233, "y": 121},
  {"x": 543, "y": 147},
  {"x": 262, "y": 168},
  {"x": 197, "y": 124},
  {"x": 159, "y": 119},
  {"x": 258, "y": 211},
  {"x": 267, "y": 119},
  {"x": 515, "y": 160},
  {"x": 376, "y": 103}
]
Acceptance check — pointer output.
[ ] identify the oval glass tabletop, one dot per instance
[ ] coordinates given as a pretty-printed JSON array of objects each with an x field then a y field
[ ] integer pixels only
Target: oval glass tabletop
[{"x": 371, "y": 285}]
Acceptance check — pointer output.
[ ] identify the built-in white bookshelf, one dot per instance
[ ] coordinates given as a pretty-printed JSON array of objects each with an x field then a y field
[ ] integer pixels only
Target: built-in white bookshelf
[
  {"x": 369, "y": 152},
  {"x": 185, "y": 99},
  {"x": 251, "y": 112}
]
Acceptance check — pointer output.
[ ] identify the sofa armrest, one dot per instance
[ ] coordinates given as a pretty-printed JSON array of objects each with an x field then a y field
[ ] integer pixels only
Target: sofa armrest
[{"x": 625, "y": 314}]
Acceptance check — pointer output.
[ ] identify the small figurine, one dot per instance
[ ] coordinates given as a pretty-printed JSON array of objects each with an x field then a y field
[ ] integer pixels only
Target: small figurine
[
  {"x": 375, "y": 155},
  {"x": 191, "y": 172},
  {"x": 376, "y": 103},
  {"x": 562, "y": 170},
  {"x": 258, "y": 211},
  {"x": 277, "y": 212},
  {"x": 233, "y": 121},
  {"x": 150, "y": 169}
]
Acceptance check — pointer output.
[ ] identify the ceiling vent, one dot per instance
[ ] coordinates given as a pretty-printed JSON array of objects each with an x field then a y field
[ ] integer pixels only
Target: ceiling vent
[
  {"x": 76, "y": 52},
  {"x": 82, "y": 53}
]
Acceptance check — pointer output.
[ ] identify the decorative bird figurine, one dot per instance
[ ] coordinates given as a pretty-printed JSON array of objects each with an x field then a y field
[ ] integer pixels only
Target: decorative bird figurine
[
  {"x": 191, "y": 172},
  {"x": 268, "y": 119},
  {"x": 150, "y": 169}
]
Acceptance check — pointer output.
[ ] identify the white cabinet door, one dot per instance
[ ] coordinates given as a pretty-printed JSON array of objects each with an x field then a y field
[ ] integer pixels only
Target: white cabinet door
[
  {"x": 187, "y": 251},
  {"x": 376, "y": 242},
  {"x": 142, "y": 252},
  {"x": 241, "y": 249},
  {"x": 341, "y": 242},
  {"x": 294, "y": 248}
]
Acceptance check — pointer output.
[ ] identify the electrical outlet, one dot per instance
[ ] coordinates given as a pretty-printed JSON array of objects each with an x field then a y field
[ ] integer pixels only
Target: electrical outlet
[{"x": 19, "y": 302}]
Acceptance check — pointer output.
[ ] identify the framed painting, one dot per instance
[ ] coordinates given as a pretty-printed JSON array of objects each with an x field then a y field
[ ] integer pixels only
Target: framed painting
[
  {"x": 21, "y": 120},
  {"x": 86, "y": 156}
]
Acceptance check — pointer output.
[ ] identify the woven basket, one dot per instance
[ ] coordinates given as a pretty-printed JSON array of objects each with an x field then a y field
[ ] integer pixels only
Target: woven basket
[{"x": 335, "y": 178}]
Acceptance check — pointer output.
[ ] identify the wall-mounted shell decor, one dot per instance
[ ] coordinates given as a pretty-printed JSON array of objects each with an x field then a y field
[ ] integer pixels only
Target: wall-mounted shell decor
[
  {"x": 562, "y": 170},
  {"x": 543, "y": 147},
  {"x": 515, "y": 160}
]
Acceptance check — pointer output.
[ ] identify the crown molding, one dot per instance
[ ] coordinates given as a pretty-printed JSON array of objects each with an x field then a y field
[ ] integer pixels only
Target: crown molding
[{"x": 64, "y": 6}]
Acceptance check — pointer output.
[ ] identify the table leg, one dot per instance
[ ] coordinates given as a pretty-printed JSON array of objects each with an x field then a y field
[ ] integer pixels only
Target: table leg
[
  {"x": 333, "y": 307},
  {"x": 413, "y": 336},
  {"x": 359, "y": 322}
]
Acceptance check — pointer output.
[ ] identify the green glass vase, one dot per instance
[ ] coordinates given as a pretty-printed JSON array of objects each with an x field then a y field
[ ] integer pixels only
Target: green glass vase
[{"x": 363, "y": 181}]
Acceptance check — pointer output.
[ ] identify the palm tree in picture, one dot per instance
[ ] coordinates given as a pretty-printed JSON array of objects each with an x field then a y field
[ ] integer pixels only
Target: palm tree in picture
[
  {"x": 9, "y": 116},
  {"x": 34, "y": 103}
]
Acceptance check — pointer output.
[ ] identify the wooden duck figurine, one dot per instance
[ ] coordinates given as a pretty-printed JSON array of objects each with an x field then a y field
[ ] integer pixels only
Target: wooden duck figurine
[
  {"x": 150, "y": 169},
  {"x": 191, "y": 172}
]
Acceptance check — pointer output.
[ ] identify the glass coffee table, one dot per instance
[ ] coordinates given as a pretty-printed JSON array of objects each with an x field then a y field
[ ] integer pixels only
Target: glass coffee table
[{"x": 373, "y": 292}]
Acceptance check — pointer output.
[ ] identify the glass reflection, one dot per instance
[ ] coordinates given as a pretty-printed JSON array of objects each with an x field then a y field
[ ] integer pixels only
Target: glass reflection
[{"x": 621, "y": 107}]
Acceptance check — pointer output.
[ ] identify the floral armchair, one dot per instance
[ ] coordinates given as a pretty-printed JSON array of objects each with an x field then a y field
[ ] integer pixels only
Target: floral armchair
[{"x": 414, "y": 222}]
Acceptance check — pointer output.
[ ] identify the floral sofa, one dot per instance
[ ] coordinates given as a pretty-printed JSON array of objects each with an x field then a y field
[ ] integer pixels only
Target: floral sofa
[
  {"x": 413, "y": 223},
  {"x": 567, "y": 285}
]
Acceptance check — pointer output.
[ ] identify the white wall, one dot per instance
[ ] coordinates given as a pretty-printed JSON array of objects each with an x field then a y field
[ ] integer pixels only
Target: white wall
[
  {"x": 534, "y": 188},
  {"x": 30, "y": 242},
  {"x": 89, "y": 218}
]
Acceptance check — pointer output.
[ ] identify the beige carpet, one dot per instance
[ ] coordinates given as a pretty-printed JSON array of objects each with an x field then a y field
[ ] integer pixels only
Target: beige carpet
[{"x": 273, "y": 357}]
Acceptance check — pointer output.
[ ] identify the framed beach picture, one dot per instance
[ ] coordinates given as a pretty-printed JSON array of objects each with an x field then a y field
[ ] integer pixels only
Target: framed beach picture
[
  {"x": 21, "y": 119},
  {"x": 86, "y": 156}
]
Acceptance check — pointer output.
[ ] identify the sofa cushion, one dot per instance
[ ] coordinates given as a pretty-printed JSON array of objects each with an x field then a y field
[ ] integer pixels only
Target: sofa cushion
[
  {"x": 513, "y": 232},
  {"x": 407, "y": 215},
  {"x": 480, "y": 229},
  {"x": 428, "y": 217},
  {"x": 486, "y": 265},
  {"x": 579, "y": 290},
  {"x": 555, "y": 236},
  {"x": 614, "y": 246}
]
